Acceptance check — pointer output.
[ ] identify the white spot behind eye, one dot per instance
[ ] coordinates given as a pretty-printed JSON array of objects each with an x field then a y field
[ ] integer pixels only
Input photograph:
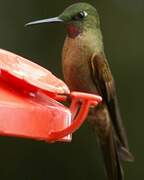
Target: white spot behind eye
[{"x": 85, "y": 13}]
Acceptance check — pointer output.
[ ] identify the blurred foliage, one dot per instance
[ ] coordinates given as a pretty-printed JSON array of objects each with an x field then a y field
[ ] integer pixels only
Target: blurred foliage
[{"x": 122, "y": 27}]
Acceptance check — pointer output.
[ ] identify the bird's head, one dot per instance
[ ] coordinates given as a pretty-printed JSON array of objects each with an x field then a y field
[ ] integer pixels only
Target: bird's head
[{"x": 78, "y": 17}]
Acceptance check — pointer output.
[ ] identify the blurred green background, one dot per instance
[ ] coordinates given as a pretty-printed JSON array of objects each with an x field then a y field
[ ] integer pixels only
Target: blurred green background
[{"x": 123, "y": 27}]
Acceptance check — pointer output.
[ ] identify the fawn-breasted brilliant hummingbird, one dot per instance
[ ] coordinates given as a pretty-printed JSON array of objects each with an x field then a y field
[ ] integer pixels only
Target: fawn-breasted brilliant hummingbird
[{"x": 86, "y": 69}]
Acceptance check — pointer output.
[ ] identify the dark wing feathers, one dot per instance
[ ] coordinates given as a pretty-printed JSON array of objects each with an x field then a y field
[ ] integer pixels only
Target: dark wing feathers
[{"x": 104, "y": 82}]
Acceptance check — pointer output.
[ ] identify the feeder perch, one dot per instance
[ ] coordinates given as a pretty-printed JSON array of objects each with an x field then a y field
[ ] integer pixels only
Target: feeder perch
[{"x": 29, "y": 106}]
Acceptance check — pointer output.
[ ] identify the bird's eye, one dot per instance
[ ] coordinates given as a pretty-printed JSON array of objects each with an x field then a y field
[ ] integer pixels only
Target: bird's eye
[{"x": 81, "y": 15}]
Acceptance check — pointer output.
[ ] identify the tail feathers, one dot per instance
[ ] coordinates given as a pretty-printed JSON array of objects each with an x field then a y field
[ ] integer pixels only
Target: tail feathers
[
  {"x": 119, "y": 130},
  {"x": 125, "y": 154},
  {"x": 111, "y": 158}
]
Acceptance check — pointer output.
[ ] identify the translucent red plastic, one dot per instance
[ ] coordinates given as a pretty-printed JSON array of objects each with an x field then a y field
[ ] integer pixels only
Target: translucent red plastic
[
  {"x": 29, "y": 76},
  {"x": 31, "y": 115},
  {"x": 28, "y": 102},
  {"x": 86, "y": 100}
]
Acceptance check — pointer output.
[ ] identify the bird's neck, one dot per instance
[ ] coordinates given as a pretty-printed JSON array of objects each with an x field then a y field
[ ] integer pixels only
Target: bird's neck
[
  {"x": 88, "y": 40},
  {"x": 91, "y": 38}
]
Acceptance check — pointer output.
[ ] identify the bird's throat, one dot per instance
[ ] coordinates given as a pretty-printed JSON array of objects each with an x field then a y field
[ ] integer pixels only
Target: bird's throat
[{"x": 73, "y": 31}]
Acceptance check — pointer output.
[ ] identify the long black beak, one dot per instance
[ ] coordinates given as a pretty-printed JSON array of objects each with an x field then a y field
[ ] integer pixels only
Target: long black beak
[{"x": 50, "y": 20}]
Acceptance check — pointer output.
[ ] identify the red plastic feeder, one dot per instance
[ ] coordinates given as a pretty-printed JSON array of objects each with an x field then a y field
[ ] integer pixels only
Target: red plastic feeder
[{"x": 28, "y": 106}]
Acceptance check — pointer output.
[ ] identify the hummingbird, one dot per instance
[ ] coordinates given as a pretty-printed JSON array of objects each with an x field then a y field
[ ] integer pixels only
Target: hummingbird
[{"x": 86, "y": 69}]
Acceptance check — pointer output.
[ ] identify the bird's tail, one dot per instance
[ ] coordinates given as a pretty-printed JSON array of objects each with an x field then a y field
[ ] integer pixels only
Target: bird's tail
[
  {"x": 101, "y": 124},
  {"x": 111, "y": 158}
]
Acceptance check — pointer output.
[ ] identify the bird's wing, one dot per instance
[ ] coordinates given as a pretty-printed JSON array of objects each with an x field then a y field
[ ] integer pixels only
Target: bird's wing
[{"x": 104, "y": 82}]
